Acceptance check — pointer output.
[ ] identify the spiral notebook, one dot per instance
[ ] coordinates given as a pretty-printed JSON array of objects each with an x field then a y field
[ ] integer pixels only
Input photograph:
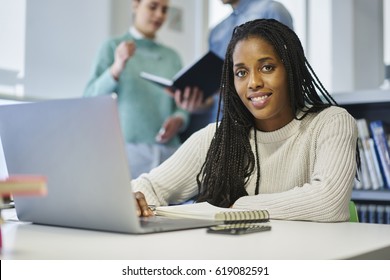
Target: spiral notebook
[
  {"x": 207, "y": 211},
  {"x": 230, "y": 220}
]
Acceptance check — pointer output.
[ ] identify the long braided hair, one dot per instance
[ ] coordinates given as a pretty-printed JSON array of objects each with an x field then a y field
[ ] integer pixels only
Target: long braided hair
[{"x": 230, "y": 160}]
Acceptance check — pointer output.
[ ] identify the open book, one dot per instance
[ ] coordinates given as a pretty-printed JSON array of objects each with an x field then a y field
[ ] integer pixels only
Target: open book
[
  {"x": 205, "y": 73},
  {"x": 206, "y": 211}
]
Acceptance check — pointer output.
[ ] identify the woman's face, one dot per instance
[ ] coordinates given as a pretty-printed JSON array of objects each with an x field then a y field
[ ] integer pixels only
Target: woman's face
[
  {"x": 149, "y": 15},
  {"x": 260, "y": 80}
]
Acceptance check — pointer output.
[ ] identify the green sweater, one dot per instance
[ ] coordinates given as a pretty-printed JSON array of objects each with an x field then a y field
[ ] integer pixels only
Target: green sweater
[{"x": 143, "y": 106}]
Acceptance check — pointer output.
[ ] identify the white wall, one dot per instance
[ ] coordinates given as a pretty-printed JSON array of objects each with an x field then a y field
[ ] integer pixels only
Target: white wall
[
  {"x": 217, "y": 12},
  {"x": 12, "y": 50},
  {"x": 386, "y": 31},
  {"x": 12, "y": 22},
  {"x": 319, "y": 40},
  {"x": 62, "y": 39},
  {"x": 186, "y": 30},
  {"x": 368, "y": 42},
  {"x": 298, "y": 10},
  {"x": 346, "y": 43}
]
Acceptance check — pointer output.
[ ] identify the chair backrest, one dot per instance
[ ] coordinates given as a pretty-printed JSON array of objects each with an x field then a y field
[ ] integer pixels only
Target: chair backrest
[{"x": 353, "y": 215}]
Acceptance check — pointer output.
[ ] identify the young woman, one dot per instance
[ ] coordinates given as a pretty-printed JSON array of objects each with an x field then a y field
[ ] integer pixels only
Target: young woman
[
  {"x": 281, "y": 145},
  {"x": 149, "y": 117}
]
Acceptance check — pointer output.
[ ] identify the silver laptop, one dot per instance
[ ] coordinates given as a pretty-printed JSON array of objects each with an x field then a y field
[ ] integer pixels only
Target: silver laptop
[{"x": 78, "y": 145}]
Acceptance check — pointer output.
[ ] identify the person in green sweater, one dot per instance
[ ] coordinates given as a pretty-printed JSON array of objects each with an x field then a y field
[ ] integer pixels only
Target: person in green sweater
[
  {"x": 150, "y": 119},
  {"x": 282, "y": 144}
]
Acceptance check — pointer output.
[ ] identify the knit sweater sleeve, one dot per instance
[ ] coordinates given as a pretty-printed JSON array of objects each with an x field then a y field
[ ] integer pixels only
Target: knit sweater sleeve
[
  {"x": 101, "y": 81},
  {"x": 174, "y": 181},
  {"x": 325, "y": 196}
]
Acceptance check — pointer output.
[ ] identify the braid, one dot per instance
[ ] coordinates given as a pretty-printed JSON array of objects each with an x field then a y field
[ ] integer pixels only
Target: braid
[
  {"x": 228, "y": 148},
  {"x": 230, "y": 160}
]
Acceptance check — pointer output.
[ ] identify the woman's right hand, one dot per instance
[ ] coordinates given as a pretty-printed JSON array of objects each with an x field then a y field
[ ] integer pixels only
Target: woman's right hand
[
  {"x": 143, "y": 209},
  {"x": 123, "y": 52}
]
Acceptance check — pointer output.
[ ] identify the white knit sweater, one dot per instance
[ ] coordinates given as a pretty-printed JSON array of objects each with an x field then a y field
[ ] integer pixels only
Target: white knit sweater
[{"x": 307, "y": 169}]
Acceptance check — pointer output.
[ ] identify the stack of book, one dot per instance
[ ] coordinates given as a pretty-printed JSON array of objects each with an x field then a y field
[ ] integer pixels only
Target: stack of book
[
  {"x": 230, "y": 220},
  {"x": 19, "y": 185},
  {"x": 23, "y": 185},
  {"x": 373, "y": 213},
  {"x": 374, "y": 156}
]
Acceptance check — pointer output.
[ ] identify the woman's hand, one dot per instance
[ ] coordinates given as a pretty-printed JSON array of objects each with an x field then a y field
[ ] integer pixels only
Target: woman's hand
[
  {"x": 123, "y": 52},
  {"x": 143, "y": 209},
  {"x": 191, "y": 99},
  {"x": 169, "y": 129}
]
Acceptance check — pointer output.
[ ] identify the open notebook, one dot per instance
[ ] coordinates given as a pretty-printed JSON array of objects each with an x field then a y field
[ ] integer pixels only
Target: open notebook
[
  {"x": 207, "y": 211},
  {"x": 204, "y": 73},
  {"x": 78, "y": 146},
  {"x": 230, "y": 220}
]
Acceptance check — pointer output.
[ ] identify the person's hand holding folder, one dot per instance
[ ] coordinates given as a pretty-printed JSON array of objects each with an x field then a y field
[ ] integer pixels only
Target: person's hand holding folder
[
  {"x": 169, "y": 129},
  {"x": 201, "y": 79},
  {"x": 190, "y": 99}
]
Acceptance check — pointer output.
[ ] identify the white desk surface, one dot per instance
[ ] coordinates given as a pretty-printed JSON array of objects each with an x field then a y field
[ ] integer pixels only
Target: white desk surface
[{"x": 287, "y": 240}]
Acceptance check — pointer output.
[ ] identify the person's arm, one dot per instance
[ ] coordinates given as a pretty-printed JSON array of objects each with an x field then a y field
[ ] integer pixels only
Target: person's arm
[
  {"x": 123, "y": 53},
  {"x": 175, "y": 124},
  {"x": 174, "y": 181},
  {"x": 170, "y": 128},
  {"x": 108, "y": 67},
  {"x": 326, "y": 196},
  {"x": 279, "y": 12}
]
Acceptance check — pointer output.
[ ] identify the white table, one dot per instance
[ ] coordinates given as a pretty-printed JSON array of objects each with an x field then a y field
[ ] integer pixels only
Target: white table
[{"x": 287, "y": 240}]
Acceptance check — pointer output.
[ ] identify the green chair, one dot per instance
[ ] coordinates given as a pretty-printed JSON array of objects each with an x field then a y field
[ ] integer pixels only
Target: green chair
[{"x": 353, "y": 215}]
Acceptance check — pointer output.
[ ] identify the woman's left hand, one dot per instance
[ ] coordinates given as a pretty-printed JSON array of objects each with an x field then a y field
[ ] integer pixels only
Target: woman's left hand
[{"x": 169, "y": 129}]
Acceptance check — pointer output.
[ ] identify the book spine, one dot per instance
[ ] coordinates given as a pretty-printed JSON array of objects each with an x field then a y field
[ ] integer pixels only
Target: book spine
[
  {"x": 364, "y": 176},
  {"x": 372, "y": 213},
  {"x": 380, "y": 140},
  {"x": 375, "y": 184},
  {"x": 380, "y": 214},
  {"x": 363, "y": 213},
  {"x": 369, "y": 155},
  {"x": 387, "y": 214},
  {"x": 375, "y": 159}
]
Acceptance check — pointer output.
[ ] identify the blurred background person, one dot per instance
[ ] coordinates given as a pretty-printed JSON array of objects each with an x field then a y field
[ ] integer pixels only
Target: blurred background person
[{"x": 150, "y": 119}]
